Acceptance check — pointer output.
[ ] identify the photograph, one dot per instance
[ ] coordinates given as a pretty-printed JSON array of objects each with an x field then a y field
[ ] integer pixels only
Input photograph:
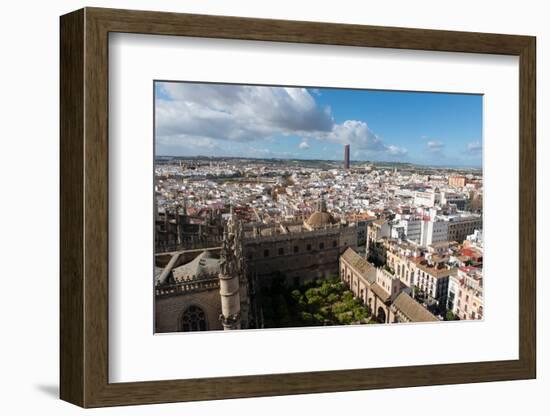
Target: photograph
[
  {"x": 264, "y": 208},
  {"x": 291, "y": 206}
]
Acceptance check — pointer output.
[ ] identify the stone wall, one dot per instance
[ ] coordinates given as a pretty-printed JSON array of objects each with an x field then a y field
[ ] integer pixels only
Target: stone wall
[
  {"x": 299, "y": 258},
  {"x": 169, "y": 309}
]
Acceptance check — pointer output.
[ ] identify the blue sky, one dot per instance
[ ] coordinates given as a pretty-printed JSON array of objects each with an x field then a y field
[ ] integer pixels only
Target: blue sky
[{"x": 315, "y": 123}]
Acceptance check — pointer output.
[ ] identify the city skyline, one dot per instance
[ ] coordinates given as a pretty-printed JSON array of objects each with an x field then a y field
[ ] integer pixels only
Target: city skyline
[
  {"x": 227, "y": 120},
  {"x": 334, "y": 160}
]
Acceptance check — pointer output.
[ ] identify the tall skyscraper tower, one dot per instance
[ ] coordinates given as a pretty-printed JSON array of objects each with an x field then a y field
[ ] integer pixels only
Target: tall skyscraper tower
[{"x": 346, "y": 156}]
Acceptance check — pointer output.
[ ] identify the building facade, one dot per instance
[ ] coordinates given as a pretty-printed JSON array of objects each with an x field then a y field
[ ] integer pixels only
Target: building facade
[
  {"x": 298, "y": 252},
  {"x": 466, "y": 294},
  {"x": 461, "y": 226},
  {"x": 458, "y": 181},
  {"x": 434, "y": 231},
  {"x": 388, "y": 300}
]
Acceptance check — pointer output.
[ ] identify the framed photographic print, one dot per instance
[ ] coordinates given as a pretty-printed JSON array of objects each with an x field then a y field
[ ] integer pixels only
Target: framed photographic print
[{"x": 256, "y": 207}]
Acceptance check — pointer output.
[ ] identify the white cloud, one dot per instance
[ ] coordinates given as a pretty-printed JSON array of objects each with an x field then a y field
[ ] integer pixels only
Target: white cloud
[
  {"x": 362, "y": 139},
  {"x": 357, "y": 134},
  {"x": 235, "y": 113},
  {"x": 397, "y": 151},
  {"x": 239, "y": 113}
]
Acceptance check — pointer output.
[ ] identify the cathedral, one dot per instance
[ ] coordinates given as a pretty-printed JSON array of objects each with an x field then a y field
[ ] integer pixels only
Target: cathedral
[{"x": 220, "y": 287}]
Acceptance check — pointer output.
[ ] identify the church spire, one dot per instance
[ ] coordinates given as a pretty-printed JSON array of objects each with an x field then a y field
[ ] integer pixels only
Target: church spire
[{"x": 230, "y": 268}]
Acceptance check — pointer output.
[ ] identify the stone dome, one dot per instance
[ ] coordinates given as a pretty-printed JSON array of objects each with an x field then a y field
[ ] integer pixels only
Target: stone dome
[{"x": 320, "y": 219}]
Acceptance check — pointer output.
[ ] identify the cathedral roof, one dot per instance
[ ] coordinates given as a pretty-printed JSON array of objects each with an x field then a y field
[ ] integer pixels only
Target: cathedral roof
[
  {"x": 320, "y": 219},
  {"x": 204, "y": 265}
]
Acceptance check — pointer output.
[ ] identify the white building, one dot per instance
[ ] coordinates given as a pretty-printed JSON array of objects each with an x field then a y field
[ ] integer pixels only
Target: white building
[
  {"x": 434, "y": 231},
  {"x": 412, "y": 227},
  {"x": 476, "y": 239},
  {"x": 427, "y": 198},
  {"x": 433, "y": 280}
]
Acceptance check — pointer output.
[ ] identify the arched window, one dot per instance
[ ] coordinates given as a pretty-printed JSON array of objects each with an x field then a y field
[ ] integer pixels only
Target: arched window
[{"x": 193, "y": 319}]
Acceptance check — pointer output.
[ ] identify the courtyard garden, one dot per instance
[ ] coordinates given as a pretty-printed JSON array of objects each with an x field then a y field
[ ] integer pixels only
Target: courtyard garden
[{"x": 316, "y": 303}]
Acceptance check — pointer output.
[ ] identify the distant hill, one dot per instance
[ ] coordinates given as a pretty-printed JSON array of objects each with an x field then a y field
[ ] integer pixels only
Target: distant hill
[{"x": 329, "y": 164}]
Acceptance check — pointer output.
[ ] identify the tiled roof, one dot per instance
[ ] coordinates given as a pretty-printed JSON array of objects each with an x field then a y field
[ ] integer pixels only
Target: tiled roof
[
  {"x": 360, "y": 264},
  {"x": 413, "y": 310},
  {"x": 380, "y": 292},
  {"x": 435, "y": 272}
]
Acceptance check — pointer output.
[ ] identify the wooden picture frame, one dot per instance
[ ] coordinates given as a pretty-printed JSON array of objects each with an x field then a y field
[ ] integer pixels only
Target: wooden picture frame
[{"x": 84, "y": 207}]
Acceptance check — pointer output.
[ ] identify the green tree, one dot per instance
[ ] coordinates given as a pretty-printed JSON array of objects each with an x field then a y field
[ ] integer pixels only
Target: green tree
[
  {"x": 306, "y": 317},
  {"x": 339, "y": 307},
  {"x": 311, "y": 292},
  {"x": 450, "y": 316},
  {"x": 318, "y": 302},
  {"x": 332, "y": 298},
  {"x": 296, "y": 295},
  {"x": 359, "y": 313},
  {"x": 319, "y": 318},
  {"x": 345, "y": 318}
]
